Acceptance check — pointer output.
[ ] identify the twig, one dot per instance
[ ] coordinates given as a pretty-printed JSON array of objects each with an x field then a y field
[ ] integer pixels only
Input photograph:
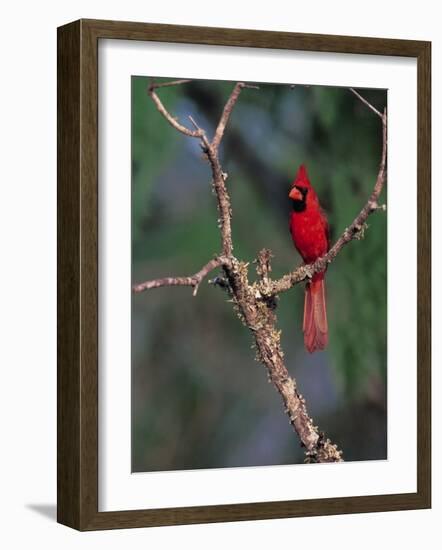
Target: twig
[
  {"x": 173, "y": 121},
  {"x": 192, "y": 280},
  {"x": 227, "y": 112},
  {"x": 263, "y": 265},
  {"x": 219, "y": 186},
  {"x": 369, "y": 105},
  {"x": 154, "y": 85}
]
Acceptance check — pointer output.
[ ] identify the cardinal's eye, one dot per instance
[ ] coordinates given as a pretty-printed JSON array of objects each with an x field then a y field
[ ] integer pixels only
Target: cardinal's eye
[{"x": 302, "y": 190}]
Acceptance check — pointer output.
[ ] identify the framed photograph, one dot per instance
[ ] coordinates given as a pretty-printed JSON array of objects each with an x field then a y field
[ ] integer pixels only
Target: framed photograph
[{"x": 243, "y": 275}]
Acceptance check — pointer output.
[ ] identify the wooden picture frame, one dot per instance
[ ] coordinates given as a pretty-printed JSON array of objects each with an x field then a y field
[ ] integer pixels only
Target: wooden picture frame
[{"x": 77, "y": 458}]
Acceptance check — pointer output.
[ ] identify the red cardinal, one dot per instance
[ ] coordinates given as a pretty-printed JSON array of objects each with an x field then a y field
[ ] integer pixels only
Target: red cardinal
[{"x": 310, "y": 234}]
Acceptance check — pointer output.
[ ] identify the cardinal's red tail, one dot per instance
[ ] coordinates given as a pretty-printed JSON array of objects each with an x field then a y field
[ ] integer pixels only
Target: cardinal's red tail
[{"x": 315, "y": 325}]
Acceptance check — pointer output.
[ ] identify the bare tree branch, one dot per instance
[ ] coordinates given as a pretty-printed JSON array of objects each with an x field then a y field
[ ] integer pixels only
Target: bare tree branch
[
  {"x": 192, "y": 280},
  {"x": 155, "y": 85},
  {"x": 369, "y": 105},
  {"x": 219, "y": 186},
  {"x": 227, "y": 112},
  {"x": 223, "y": 197},
  {"x": 211, "y": 152},
  {"x": 255, "y": 303},
  {"x": 173, "y": 121}
]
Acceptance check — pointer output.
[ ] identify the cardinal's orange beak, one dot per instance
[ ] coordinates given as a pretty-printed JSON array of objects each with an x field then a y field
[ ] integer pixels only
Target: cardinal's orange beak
[{"x": 295, "y": 194}]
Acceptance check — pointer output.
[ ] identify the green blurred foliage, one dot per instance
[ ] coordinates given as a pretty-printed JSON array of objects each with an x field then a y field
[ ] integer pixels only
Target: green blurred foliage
[{"x": 199, "y": 399}]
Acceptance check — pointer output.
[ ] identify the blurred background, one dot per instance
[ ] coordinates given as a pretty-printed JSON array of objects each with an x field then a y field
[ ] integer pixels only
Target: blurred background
[{"x": 199, "y": 399}]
